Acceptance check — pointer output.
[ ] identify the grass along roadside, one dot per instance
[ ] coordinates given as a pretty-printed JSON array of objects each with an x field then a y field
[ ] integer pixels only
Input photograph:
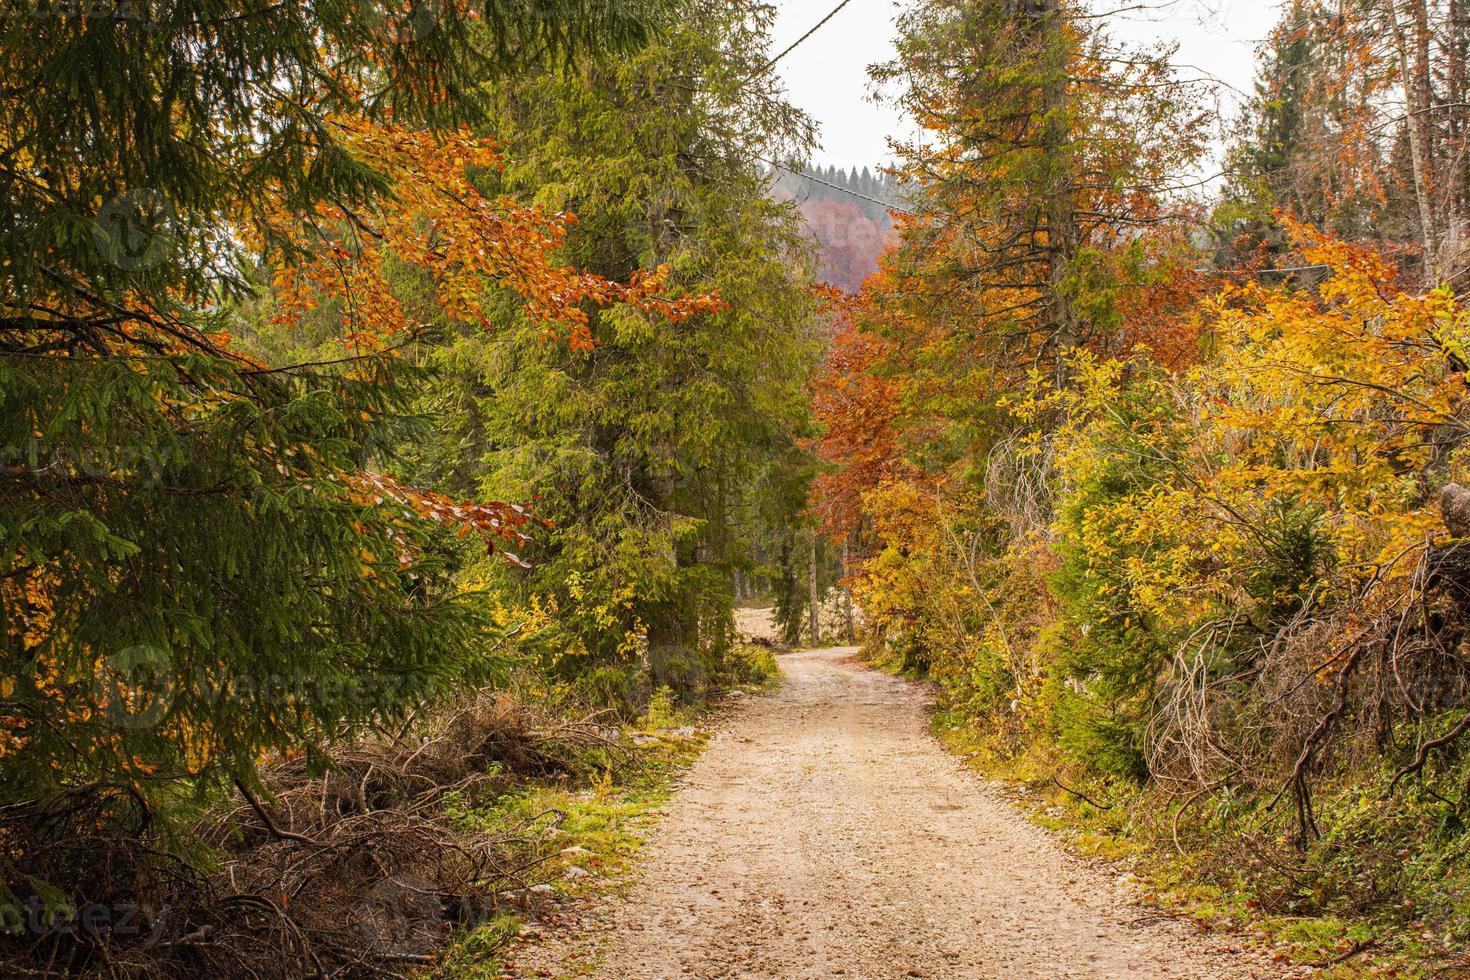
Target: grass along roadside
[
  {"x": 1237, "y": 880},
  {"x": 585, "y": 839}
]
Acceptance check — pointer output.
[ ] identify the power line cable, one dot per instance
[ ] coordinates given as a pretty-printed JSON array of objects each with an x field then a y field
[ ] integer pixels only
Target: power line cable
[
  {"x": 836, "y": 187},
  {"x": 792, "y": 46}
]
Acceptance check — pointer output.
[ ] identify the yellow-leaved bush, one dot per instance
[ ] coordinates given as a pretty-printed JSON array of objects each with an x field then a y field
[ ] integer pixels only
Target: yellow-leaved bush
[
  {"x": 1282, "y": 485},
  {"x": 1343, "y": 402},
  {"x": 1221, "y": 535}
]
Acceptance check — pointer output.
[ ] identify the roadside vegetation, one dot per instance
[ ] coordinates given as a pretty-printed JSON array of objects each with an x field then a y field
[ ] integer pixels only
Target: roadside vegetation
[
  {"x": 1166, "y": 490},
  {"x": 391, "y": 398}
]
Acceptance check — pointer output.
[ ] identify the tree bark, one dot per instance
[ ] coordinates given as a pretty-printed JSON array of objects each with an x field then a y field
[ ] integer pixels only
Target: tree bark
[
  {"x": 1454, "y": 507},
  {"x": 1455, "y": 92},
  {"x": 1048, "y": 30},
  {"x": 816, "y": 597},
  {"x": 670, "y": 629},
  {"x": 847, "y": 601},
  {"x": 1413, "y": 59}
]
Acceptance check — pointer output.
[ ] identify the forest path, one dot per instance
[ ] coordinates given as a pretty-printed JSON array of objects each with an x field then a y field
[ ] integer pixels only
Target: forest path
[{"x": 825, "y": 833}]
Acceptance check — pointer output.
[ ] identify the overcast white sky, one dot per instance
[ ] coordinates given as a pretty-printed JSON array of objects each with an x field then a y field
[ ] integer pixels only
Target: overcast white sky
[{"x": 827, "y": 74}]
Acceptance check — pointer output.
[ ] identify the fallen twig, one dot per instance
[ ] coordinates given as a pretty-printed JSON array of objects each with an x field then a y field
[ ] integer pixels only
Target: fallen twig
[
  {"x": 1359, "y": 946},
  {"x": 1080, "y": 795}
]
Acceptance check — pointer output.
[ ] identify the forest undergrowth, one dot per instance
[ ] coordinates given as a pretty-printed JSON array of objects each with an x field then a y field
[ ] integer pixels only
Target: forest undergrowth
[
  {"x": 427, "y": 847},
  {"x": 1167, "y": 492}
]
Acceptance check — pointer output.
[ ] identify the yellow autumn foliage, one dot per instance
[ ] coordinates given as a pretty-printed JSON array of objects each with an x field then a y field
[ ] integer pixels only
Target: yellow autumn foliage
[{"x": 1343, "y": 403}]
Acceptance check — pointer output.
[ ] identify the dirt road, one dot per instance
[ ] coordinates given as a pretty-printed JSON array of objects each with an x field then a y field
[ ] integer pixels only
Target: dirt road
[{"x": 825, "y": 833}]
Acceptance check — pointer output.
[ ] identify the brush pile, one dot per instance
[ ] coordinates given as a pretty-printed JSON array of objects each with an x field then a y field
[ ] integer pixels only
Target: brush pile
[{"x": 354, "y": 869}]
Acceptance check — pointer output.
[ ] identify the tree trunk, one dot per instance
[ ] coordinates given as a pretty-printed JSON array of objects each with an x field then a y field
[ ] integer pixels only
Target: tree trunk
[
  {"x": 1413, "y": 59},
  {"x": 847, "y": 601},
  {"x": 1454, "y": 97},
  {"x": 816, "y": 597},
  {"x": 669, "y": 627},
  {"x": 1048, "y": 28},
  {"x": 1454, "y": 507}
]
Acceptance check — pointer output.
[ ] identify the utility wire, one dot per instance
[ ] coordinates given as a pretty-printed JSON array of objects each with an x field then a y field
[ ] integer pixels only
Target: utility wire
[
  {"x": 836, "y": 187},
  {"x": 792, "y": 46}
]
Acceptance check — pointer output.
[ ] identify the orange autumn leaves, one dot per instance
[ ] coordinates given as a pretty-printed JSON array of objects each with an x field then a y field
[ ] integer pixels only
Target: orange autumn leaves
[
  {"x": 491, "y": 521},
  {"x": 437, "y": 220},
  {"x": 859, "y": 406},
  {"x": 29, "y": 618}
]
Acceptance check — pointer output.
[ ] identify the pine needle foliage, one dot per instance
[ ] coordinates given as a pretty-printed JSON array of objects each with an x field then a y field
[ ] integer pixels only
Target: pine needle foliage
[
  {"x": 199, "y": 567},
  {"x": 665, "y": 453}
]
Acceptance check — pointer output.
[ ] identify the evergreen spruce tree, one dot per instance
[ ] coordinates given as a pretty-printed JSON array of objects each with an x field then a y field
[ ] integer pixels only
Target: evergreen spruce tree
[
  {"x": 196, "y": 569},
  {"x": 662, "y": 452},
  {"x": 1267, "y": 161}
]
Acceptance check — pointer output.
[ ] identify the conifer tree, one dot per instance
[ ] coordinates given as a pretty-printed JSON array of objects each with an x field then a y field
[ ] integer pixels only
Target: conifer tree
[
  {"x": 661, "y": 453},
  {"x": 199, "y": 562}
]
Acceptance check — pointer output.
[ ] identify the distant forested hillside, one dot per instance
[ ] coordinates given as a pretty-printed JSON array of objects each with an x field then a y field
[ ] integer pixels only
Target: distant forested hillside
[{"x": 841, "y": 209}]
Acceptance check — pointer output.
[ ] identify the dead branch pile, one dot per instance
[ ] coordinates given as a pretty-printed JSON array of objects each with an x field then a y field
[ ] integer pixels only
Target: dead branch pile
[
  {"x": 354, "y": 870},
  {"x": 1337, "y": 685}
]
